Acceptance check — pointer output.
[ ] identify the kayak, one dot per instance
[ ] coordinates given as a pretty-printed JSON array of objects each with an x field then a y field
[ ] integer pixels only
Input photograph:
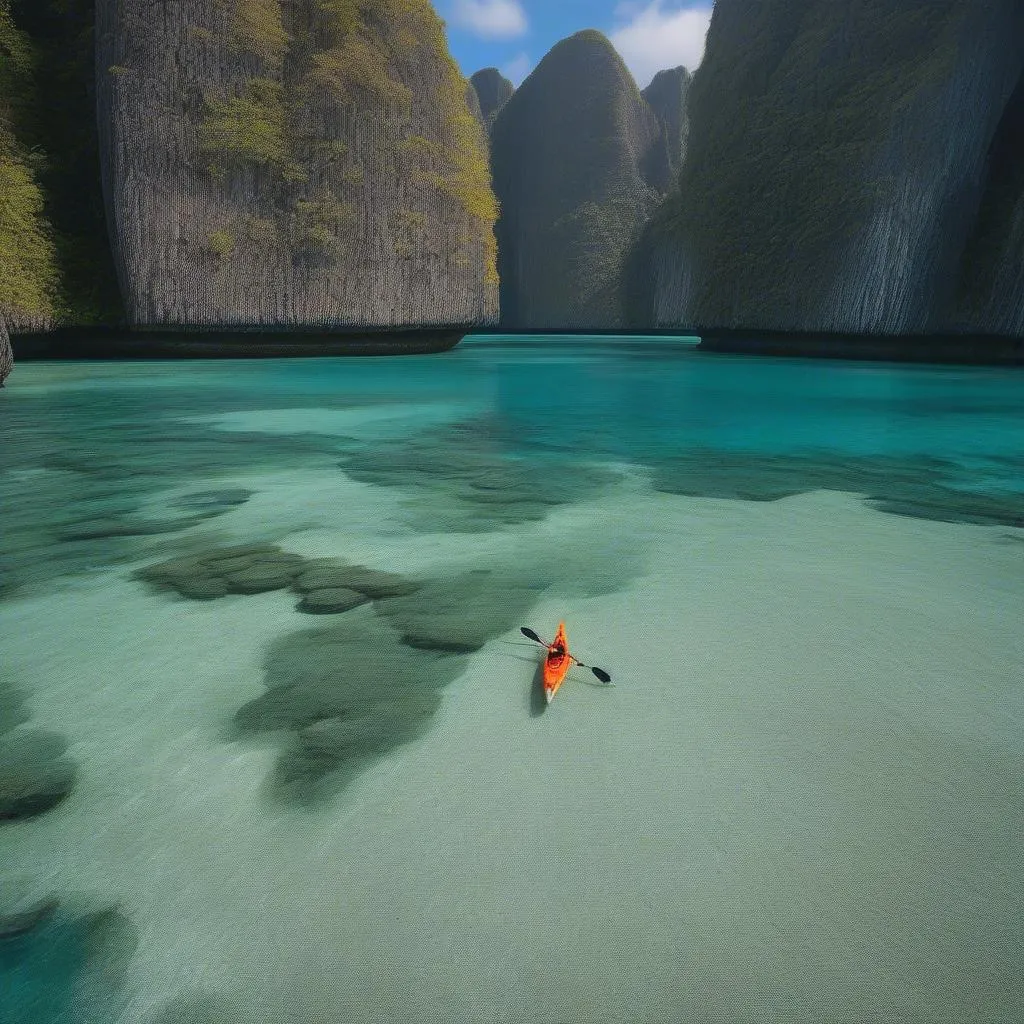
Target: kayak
[{"x": 557, "y": 663}]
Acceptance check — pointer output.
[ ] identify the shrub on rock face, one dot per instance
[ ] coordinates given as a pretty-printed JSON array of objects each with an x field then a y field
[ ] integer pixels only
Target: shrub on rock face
[{"x": 314, "y": 163}]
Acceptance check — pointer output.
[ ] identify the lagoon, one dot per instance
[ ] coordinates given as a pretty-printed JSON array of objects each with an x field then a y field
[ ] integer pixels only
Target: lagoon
[{"x": 801, "y": 799}]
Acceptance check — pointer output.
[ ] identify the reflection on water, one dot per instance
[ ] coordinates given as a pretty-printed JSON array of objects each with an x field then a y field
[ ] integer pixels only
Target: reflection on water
[{"x": 251, "y": 711}]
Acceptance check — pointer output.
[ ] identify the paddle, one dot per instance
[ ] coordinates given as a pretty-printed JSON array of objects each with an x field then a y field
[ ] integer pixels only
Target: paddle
[{"x": 599, "y": 672}]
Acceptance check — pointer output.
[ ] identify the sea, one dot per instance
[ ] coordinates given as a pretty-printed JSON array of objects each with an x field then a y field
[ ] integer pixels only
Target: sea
[{"x": 290, "y": 800}]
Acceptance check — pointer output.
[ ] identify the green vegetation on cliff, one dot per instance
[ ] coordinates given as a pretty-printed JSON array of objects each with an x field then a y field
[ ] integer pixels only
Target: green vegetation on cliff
[
  {"x": 28, "y": 272},
  {"x": 351, "y": 52},
  {"x": 249, "y": 128},
  {"x": 57, "y": 124}
]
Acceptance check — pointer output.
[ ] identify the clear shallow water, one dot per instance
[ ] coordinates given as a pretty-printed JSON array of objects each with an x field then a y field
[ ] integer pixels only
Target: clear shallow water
[{"x": 800, "y": 801}]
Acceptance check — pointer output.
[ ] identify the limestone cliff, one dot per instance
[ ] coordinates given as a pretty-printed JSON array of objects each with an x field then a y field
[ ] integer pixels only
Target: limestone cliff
[
  {"x": 667, "y": 97},
  {"x": 835, "y": 164},
  {"x": 313, "y": 163},
  {"x": 569, "y": 152},
  {"x": 493, "y": 91},
  {"x": 28, "y": 273}
]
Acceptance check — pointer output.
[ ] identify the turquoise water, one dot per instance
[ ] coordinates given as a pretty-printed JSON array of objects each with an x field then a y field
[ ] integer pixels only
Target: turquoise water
[{"x": 801, "y": 799}]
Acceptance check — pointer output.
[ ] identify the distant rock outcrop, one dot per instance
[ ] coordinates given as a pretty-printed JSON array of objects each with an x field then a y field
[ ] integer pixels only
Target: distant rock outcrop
[
  {"x": 304, "y": 164},
  {"x": 493, "y": 91},
  {"x": 570, "y": 152},
  {"x": 667, "y": 96},
  {"x": 836, "y": 170}
]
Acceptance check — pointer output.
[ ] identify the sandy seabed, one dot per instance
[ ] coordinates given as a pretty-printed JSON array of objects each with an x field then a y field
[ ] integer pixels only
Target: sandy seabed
[{"x": 801, "y": 801}]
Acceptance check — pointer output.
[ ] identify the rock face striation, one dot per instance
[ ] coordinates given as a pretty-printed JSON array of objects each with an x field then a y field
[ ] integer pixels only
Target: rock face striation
[
  {"x": 572, "y": 153},
  {"x": 493, "y": 91},
  {"x": 667, "y": 97},
  {"x": 849, "y": 168},
  {"x": 308, "y": 164}
]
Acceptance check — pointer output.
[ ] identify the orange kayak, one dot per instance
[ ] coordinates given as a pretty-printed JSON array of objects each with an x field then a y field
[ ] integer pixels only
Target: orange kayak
[{"x": 557, "y": 663}]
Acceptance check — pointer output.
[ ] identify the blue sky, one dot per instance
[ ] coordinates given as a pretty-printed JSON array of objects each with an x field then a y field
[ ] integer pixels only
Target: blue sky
[{"x": 514, "y": 35}]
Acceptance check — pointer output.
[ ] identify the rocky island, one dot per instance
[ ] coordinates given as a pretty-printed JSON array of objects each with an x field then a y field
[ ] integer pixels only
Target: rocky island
[
  {"x": 317, "y": 177},
  {"x": 572, "y": 154},
  {"x": 262, "y": 169},
  {"x": 853, "y": 170},
  {"x": 295, "y": 166}
]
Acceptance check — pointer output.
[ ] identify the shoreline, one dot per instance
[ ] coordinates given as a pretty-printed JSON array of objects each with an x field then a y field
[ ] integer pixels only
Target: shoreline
[
  {"x": 196, "y": 343},
  {"x": 217, "y": 344},
  {"x": 938, "y": 348},
  {"x": 959, "y": 349}
]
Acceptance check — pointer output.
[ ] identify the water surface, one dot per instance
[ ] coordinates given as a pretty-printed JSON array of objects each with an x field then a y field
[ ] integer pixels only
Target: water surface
[{"x": 801, "y": 800}]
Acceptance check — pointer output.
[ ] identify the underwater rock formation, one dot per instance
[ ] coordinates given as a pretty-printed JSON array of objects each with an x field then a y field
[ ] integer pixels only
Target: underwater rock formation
[
  {"x": 34, "y": 773},
  {"x": 493, "y": 91},
  {"x": 306, "y": 164},
  {"x": 836, "y": 169},
  {"x": 20, "y": 914},
  {"x": 570, "y": 153},
  {"x": 34, "y": 776}
]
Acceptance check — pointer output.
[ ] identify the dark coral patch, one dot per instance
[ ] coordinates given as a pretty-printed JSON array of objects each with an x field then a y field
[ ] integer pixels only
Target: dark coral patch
[
  {"x": 34, "y": 774},
  {"x": 918, "y": 487},
  {"x": 346, "y": 693},
  {"x": 331, "y": 600},
  {"x": 325, "y": 574},
  {"x": 213, "y": 502},
  {"x": 239, "y": 569},
  {"x": 484, "y": 486},
  {"x": 459, "y": 614}
]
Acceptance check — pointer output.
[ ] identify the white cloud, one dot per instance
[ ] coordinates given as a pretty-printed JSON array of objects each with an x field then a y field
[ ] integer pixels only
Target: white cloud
[
  {"x": 492, "y": 19},
  {"x": 517, "y": 69},
  {"x": 651, "y": 37}
]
